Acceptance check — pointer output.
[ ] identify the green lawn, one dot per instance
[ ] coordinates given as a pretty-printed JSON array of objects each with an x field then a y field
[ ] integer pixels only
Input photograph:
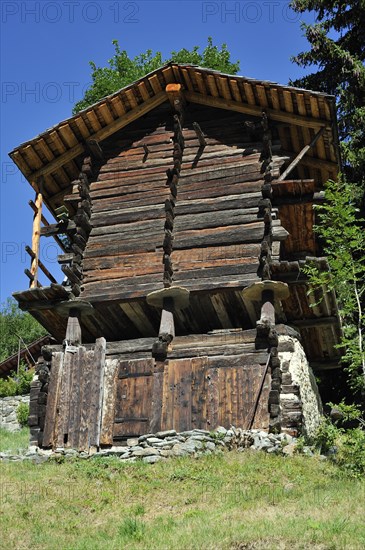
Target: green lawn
[
  {"x": 14, "y": 441},
  {"x": 235, "y": 501}
]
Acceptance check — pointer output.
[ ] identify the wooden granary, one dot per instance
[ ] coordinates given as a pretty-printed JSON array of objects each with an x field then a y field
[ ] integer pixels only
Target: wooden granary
[{"x": 184, "y": 207}]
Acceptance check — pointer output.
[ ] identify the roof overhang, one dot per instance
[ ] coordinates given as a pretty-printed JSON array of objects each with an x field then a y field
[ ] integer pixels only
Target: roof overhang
[{"x": 55, "y": 156}]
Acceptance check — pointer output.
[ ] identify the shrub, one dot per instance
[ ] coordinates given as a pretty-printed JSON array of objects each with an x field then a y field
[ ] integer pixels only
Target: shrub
[
  {"x": 22, "y": 414},
  {"x": 17, "y": 383},
  {"x": 347, "y": 445}
]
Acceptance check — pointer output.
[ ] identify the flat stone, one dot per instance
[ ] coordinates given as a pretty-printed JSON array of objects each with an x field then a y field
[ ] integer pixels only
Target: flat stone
[
  {"x": 166, "y": 433},
  {"x": 166, "y": 452},
  {"x": 132, "y": 442},
  {"x": 221, "y": 430},
  {"x": 148, "y": 451},
  {"x": 144, "y": 437},
  {"x": 152, "y": 440},
  {"x": 201, "y": 437}
]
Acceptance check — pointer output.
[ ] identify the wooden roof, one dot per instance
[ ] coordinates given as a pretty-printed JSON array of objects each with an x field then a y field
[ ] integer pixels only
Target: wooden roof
[
  {"x": 32, "y": 351},
  {"x": 57, "y": 153}
]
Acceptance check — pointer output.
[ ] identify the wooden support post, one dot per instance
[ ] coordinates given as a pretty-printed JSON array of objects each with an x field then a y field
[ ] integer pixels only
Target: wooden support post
[
  {"x": 73, "y": 331},
  {"x": 168, "y": 299},
  {"x": 167, "y": 326},
  {"x": 267, "y": 308},
  {"x": 302, "y": 153},
  {"x": 36, "y": 239}
]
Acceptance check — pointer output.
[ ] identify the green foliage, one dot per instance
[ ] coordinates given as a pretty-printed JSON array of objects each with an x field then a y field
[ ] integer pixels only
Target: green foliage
[
  {"x": 22, "y": 414},
  {"x": 346, "y": 448},
  {"x": 337, "y": 51},
  {"x": 17, "y": 384},
  {"x": 122, "y": 69},
  {"x": 15, "y": 323},
  {"x": 340, "y": 230}
]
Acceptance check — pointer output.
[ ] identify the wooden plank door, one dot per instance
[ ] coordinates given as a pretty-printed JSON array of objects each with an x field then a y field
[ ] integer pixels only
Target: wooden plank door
[{"x": 133, "y": 405}]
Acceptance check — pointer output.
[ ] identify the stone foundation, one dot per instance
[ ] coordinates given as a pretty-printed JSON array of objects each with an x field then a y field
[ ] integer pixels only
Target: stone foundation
[
  {"x": 301, "y": 406},
  {"x": 8, "y": 408}
]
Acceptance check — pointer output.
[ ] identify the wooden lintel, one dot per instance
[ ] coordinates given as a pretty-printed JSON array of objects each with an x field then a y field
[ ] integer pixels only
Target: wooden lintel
[
  {"x": 255, "y": 110},
  {"x": 101, "y": 134},
  {"x": 317, "y": 322},
  {"x": 302, "y": 153}
]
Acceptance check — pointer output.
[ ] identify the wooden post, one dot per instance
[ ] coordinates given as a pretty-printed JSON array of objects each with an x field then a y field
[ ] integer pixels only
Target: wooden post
[
  {"x": 73, "y": 331},
  {"x": 267, "y": 308},
  {"x": 36, "y": 239}
]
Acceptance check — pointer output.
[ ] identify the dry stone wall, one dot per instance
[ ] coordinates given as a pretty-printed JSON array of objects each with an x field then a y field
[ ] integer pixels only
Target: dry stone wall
[
  {"x": 301, "y": 406},
  {"x": 8, "y": 408}
]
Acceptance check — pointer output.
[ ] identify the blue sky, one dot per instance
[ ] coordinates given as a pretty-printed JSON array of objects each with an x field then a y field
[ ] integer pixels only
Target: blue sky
[{"x": 46, "y": 47}]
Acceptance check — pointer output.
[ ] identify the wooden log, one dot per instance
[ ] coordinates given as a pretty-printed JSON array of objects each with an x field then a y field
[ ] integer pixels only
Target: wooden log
[
  {"x": 199, "y": 133},
  {"x": 40, "y": 265},
  {"x": 52, "y": 399},
  {"x": 70, "y": 274},
  {"x": 31, "y": 278},
  {"x": 302, "y": 153},
  {"x": 36, "y": 238},
  {"x": 96, "y": 394}
]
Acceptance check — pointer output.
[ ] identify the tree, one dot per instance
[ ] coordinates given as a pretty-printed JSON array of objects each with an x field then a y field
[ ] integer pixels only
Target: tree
[
  {"x": 344, "y": 247},
  {"x": 15, "y": 323},
  {"x": 337, "y": 50},
  {"x": 123, "y": 70}
]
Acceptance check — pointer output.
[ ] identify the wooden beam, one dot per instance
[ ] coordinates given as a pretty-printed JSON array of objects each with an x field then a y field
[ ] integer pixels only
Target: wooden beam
[
  {"x": 300, "y": 155},
  {"x": 313, "y": 323},
  {"x": 31, "y": 278},
  {"x": 47, "y": 224},
  {"x": 36, "y": 234},
  {"x": 101, "y": 134},
  {"x": 312, "y": 162},
  {"x": 256, "y": 110},
  {"x": 41, "y": 265}
]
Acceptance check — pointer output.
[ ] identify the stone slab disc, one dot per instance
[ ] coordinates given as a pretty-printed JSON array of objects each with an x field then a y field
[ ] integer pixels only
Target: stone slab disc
[
  {"x": 177, "y": 293},
  {"x": 254, "y": 291},
  {"x": 63, "y": 308}
]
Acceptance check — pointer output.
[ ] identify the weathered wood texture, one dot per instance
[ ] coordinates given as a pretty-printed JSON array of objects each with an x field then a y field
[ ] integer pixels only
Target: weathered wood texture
[
  {"x": 195, "y": 392},
  {"x": 216, "y": 206},
  {"x": 75, "y": 398}
]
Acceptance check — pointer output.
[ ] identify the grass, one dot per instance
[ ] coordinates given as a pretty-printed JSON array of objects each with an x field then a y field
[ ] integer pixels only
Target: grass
[
  {"x": 236, "y": 501},
  {"x": 14, "y": 441}
]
